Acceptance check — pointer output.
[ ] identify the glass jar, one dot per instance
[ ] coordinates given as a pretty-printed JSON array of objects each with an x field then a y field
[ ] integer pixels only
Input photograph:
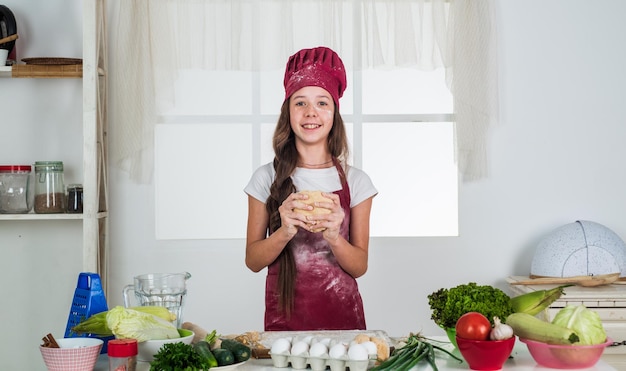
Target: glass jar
[
  {"x": 122, "y": 354},
  {"x": 75, "y": 198},
  {"x": 49, "y": 187},
  {"x": 16, "y": 196}
]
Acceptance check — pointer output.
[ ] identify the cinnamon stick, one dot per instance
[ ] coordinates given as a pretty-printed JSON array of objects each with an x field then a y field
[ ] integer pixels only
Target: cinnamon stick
[{"x": 49, "y": 342}]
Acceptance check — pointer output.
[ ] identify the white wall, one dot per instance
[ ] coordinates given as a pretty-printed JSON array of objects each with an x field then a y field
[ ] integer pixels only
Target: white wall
[
  {"x": 556, "y": 157},
  {"x": 40, "y": 119}
]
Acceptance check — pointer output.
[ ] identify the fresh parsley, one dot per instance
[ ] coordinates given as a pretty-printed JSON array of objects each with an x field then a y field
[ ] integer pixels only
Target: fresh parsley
[{"x": 178, "y": 357}]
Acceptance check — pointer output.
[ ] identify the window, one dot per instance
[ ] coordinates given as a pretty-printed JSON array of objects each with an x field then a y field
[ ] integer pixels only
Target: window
[
  {"x": 219, "y": 129},
  {"x": 209, "y": 144},
  {"x": 407, "y": 146}
]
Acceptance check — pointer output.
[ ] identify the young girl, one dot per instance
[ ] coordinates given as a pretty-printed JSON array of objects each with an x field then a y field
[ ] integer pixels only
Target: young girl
[{"x": 313, "y": 260}]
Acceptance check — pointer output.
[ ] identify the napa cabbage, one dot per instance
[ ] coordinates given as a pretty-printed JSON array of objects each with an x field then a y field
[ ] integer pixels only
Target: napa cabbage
[{"x": 128, "y": 323}]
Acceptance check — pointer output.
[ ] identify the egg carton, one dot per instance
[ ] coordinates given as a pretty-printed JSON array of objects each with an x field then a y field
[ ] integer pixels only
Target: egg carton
[
  {"x": 320, "y": 363},
  {"x": 340, "y": 349},
  {"x": 266, "y": 339}
]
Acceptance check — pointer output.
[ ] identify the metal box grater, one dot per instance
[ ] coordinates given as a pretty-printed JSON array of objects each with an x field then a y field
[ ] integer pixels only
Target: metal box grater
[{"x": 88, "y": 300}]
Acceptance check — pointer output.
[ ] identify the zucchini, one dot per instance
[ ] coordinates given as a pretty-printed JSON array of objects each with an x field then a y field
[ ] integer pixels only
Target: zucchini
[
  {"x": 527, "y": 326},
  {"x": 239, "y": 350},
  {"x": 224, "y": 356},
  {"x": 204, "y": 350}
]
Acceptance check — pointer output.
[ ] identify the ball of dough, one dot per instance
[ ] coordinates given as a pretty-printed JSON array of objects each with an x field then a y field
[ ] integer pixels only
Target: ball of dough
[{"x": 314, "y": 196}]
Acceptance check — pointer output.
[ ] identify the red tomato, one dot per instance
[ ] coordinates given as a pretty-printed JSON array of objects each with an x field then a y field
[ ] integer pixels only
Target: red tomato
[{"x": 474, "y": 326}]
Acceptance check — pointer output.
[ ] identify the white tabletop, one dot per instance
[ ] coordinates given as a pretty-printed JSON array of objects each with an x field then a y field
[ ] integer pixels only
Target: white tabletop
[{"x": 521, "y": 361}]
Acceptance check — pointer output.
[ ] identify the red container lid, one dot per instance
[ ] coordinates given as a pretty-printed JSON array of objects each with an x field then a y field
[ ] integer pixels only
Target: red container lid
[
  {"x": 14, "y": 168},
  {"x": 122, "y": 348}
]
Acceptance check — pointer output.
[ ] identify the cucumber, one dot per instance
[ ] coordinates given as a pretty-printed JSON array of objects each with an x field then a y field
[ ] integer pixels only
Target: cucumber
[
  {"x": 239, "y": 350},
  {"x": 224, "y": 356},
  {"x": 204, "y": 350}
]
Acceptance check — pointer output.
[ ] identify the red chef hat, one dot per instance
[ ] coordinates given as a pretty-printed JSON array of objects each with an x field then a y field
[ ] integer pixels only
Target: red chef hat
[{"x": 319, "y": 66}]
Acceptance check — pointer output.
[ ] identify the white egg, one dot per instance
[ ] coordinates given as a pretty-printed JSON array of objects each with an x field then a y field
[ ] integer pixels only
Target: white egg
[
  {"x": 337, "y": 351},
  {"x": 308, "y": 339},
  {"x": 371, "y": 347},
  {"x": 300, "y": 348},
  {"x": 325, "y": 341},
  {"x": 281, "y": 346},
  {"x": 358, "y": 352},
  {"x": 318, "y": 350}
]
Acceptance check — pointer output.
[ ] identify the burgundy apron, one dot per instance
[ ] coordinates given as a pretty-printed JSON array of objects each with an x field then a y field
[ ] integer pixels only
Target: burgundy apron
[{"x": 326, "y": 297}]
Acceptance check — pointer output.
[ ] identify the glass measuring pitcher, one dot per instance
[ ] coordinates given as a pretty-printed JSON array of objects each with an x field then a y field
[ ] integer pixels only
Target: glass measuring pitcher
[{"x": 160, "y": 289}]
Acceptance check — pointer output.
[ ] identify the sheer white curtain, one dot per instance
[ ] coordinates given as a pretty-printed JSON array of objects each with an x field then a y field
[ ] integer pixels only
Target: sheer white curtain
[{"x": 154, "y": 39}]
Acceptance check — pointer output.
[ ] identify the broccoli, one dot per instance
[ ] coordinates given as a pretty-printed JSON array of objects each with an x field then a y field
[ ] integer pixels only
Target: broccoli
[{"x": 448, "y": 305}]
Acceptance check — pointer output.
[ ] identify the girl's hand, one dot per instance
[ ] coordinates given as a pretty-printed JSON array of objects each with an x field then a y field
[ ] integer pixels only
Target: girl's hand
[
  {"x": 289, "y": 218},
  {"x": 331, "y": 222}
]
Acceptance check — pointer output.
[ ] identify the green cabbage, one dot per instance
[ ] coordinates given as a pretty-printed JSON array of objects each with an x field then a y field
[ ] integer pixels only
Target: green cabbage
[
  {"x": 131, "y": 324},
  {"x": 584, "y": 322}
]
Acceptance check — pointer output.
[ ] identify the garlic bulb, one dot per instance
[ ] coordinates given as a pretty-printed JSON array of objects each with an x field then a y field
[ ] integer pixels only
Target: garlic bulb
[{"x": 500, "y": 331}]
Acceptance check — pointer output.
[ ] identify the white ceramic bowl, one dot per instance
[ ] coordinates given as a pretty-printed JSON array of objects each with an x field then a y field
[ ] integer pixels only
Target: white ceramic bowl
[
  {"x": 78, "y": 354},
  {"x": 147, "y": 349}
]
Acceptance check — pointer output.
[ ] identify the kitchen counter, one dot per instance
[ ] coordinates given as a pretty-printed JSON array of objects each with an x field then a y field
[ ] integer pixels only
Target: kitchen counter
[{"x": 521, "y": 361}]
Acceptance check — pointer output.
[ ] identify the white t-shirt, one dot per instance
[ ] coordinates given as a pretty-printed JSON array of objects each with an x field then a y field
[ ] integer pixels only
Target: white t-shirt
[{"x": 325, "y": 180}]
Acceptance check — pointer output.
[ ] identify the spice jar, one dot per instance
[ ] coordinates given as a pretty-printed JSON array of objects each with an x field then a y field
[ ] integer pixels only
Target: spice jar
[
  {"x": 15, "y": 189},
  {"x": 122, "y": 354},
  {"x": 75, "y": 198},
  {"x": 49, "y": 187}
]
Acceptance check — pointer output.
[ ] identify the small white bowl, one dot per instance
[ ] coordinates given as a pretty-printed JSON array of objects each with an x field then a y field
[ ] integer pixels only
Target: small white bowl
[{"x": 147, "y": 349}]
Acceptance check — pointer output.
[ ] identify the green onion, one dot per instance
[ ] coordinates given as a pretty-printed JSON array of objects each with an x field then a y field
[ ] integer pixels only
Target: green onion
[{"x": 416, "y": 349}]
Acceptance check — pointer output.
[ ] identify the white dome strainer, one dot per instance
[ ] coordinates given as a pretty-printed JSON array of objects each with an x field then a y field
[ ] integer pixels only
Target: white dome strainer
[{"x": 578, "y": 249}]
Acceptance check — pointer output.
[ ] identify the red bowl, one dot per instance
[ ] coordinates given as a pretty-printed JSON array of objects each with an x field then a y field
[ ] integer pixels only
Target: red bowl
[
  {"x": 565, "y": 356},
  {"x": 485, "y": 355}
]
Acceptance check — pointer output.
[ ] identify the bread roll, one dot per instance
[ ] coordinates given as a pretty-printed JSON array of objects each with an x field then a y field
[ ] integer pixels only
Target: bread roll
[
  {"x": 383, "y": 351},
  {"x": 361, "y": 338}
]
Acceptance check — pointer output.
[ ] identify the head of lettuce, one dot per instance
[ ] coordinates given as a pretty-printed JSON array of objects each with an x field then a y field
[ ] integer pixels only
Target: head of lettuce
[{"x": 585, "y": 322}]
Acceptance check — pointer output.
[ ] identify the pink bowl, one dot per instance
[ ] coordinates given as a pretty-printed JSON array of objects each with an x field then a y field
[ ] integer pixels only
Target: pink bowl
[
  {"x": 76, "y": 354},
  {"x": 485, "y": 355},
  {"x": 565, "y": 356}
]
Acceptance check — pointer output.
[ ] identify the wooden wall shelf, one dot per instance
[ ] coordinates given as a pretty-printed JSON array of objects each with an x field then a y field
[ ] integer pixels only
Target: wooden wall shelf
[{"x": 47, "y": 71}]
